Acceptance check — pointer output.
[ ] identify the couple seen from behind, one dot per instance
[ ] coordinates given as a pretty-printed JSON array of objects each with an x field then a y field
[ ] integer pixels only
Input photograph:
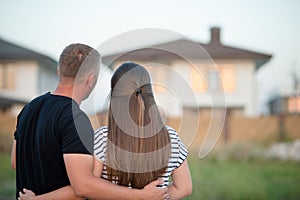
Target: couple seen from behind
[{"x": 57, "y": 155}]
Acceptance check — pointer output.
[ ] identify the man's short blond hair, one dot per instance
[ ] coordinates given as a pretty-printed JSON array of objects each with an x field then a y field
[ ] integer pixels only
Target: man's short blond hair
[{"x": 78, "y": 59}]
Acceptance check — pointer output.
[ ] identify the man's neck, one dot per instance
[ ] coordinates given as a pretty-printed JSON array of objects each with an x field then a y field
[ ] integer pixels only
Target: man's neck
[{"x": 66, "y": 90}]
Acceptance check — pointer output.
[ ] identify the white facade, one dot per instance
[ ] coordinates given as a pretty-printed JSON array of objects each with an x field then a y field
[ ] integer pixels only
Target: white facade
[
  {"x": 189, "y": 78},
  {"x": 31, "y": 80},
  {"x": 25, "y": 79},
  {"x": 28, "y": 79},
  {"x": 178, "y": 92}
]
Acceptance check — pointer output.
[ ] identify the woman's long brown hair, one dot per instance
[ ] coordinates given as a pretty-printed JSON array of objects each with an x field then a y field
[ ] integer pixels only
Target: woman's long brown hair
[{"x": 138, "y": 147}]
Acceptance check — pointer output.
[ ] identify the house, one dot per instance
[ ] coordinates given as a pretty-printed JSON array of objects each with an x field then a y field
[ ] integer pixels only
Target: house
[
  {"x": 193, "y": 76},
  {"x": 285, "y": 104},
  {"x": 24, "y": 74}
]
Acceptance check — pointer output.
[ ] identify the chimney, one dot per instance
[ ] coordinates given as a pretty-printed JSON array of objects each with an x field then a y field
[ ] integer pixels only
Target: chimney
[{"x": 215, "y": 35}]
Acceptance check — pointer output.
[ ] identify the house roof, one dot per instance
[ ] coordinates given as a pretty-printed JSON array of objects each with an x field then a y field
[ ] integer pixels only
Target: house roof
[
  {"x": 190, "y": 50},
  {"x": 10, "y": 51}
]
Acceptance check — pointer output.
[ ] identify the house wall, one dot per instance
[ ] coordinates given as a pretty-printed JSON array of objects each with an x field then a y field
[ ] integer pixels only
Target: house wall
[
  {"x": 47, "y": 79},
  {"x": 179, "y": 82},
  {"x": 245, "y": 94},
  {"x": 26, "y": 79},
  {"x": 175, "y": 90},
  {"x": 30, "y": 79},
  {"x": 285, "y": 105}
]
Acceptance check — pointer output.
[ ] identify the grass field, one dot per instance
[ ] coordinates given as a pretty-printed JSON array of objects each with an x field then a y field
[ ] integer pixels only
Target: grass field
[
  {"x": 253, "y": 179},
  {"x": 213, "y": 179}
]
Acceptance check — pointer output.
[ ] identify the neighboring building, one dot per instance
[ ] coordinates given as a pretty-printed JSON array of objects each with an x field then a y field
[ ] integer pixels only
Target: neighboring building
[
  {"x": 206, "y": 68},
  {"x": 24, "y": 74},
  {"x": 289, "y": 104}
]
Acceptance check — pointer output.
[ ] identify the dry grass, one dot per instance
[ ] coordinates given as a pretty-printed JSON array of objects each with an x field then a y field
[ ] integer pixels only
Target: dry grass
[{"x": 7, "y": 127}]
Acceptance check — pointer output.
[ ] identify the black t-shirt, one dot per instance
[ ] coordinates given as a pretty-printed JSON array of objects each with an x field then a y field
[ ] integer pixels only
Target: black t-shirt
[{"x": 48, "y": 127}]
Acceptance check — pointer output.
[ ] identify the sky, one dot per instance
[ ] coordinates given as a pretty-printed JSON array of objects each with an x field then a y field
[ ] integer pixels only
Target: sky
[{"x": 268, "y": 26}]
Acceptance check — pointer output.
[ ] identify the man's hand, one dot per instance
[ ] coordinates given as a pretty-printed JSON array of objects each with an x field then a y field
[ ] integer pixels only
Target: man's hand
[
  {"x": 152, "y": 192},
  {"x": 26, "y": 195}
]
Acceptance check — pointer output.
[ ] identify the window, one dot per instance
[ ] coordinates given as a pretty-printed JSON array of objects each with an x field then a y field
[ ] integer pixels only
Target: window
[
  {"x": 158, "y": 78},
  {"x": 7, "y": 77},
  {"x": 294, "y": 104},
  {"x": 221, "y": 77},
  {"x": 227, "y": 73},
  {"x": 197, "y": 81}
]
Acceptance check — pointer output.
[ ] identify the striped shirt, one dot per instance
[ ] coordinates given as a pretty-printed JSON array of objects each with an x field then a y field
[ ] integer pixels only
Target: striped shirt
[{"x": 178, "y": 152}]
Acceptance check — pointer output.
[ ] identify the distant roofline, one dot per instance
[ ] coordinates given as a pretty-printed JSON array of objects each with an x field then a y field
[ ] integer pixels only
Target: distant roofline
[
  {"x": 11, "y": 51},
  {"x": 215, "y": 49}
]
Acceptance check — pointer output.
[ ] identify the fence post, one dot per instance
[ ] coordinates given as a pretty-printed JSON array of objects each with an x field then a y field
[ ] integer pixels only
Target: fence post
[
  {"x": 281, "y": 127},
  {"x": 226, "y": 131}
]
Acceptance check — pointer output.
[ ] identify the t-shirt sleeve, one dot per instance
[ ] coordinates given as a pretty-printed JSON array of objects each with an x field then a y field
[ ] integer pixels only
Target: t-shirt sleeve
[
  {"x": 17, "y": 132},
  {"x": 100, "y": 140},
  {"x": 179, "y": 151},
  {"x": 183, "y": 153},
  {"x": 78, "y": 135}
]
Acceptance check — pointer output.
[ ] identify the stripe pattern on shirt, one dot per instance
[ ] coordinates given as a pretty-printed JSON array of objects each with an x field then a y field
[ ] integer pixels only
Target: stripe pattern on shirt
[{"x": 178, "y": 155}]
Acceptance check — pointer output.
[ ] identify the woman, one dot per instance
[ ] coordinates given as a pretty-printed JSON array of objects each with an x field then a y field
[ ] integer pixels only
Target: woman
[{"x": 136, "y": 147}]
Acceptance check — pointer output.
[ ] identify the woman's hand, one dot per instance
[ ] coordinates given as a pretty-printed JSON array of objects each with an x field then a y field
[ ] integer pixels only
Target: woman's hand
[{"x": 26, "y": 195}]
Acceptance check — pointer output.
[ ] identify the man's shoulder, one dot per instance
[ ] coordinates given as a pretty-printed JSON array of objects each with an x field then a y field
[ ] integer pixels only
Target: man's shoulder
[
  {"x": 65, "y": 106},
  {"x": 38, "y": 99},
  {"x": 33, "y": 103}
]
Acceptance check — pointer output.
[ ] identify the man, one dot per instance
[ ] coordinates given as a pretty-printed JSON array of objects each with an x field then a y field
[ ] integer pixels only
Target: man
[{"x": 53, "y": 144}]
